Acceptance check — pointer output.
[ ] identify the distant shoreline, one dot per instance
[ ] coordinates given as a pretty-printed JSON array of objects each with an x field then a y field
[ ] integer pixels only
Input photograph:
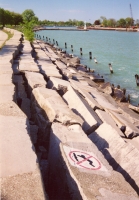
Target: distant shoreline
[{"x": 88, "y": 28}]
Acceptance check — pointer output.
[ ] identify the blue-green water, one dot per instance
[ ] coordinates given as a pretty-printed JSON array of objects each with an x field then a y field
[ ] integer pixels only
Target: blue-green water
[{"x": 121, "y": 49}]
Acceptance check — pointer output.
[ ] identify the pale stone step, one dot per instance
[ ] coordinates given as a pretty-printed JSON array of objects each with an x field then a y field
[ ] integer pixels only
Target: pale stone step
[
  {"x": 105, "y": 117},
  {"x": 60, "y": 65},
  {"x": 6, "y": 68},
  {"x": 19, "y": 170},
  {"x": 84, "y": 90},
  {"x": 122, "y": 156},
  {"x": 130, "y": 129},
  {"x": 82, "y": 168},
  {"x": 54, "y": 106},
  {"x": 51, "y": 72},
  {"x": 80, "y": 107},
  {"x": 35, "y": 80},
  {"x": 6, "y": 79},
  {"x": 7, "y": 93},
  {"x": 58, "y": 84},
  {"x": 28, "y": 67},
  {"x": 11, "y": 109}
]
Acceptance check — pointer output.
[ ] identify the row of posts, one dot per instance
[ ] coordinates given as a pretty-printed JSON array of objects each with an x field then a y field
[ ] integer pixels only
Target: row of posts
[{"x": 81, "y": 52}]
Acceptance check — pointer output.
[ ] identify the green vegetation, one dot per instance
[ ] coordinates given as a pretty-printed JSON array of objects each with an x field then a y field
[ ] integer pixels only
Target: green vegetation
[
  {"x": 26, "y": 21},
  {"x": 29, "y": 20},
  {"x": 10, "y": 35}
]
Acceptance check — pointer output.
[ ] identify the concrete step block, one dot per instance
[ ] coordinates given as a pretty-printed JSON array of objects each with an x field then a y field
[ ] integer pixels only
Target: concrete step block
[
  {"x": 83, "y": 171},
  {"x": 54, "y": 106},
  {"x": 80, "y": 107},
  {"x": 119, "y": 153}
]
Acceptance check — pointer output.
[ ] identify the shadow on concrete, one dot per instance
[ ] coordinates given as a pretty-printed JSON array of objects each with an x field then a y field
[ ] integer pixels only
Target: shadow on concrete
[{"x": 103, "y": 146}]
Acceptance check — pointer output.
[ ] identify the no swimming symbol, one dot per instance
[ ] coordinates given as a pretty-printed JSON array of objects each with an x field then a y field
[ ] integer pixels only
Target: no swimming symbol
[{"x": 84, "y": 160}]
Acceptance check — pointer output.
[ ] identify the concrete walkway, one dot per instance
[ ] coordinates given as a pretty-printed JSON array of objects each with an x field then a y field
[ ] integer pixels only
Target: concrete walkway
[{"x": 3, "y": 37}]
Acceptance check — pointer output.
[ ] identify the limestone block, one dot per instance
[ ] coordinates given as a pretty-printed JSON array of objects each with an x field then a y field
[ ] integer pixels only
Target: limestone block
[
  {"x": 51, "y": 72},
  {"x": 80, "y": 107},
  {"x": 105, "y": 117},
  {"x": 35, "y": 80},
  {"x": 106, "y": 87},
  {"x": 6, "y": 68},
  {"x": 28, "y": 67},
  {"x": 60, "y": 65},
  {"x": 19, "y": 170},
  {"x": 130, "y": 129},
  {"x": 7, "y": 93},
  {"x": 11, "y": 109},
  {"x": 6, "y": 79},
  {"x": 120, "y": 154},
  {"x": 54, "y": 107},
  {"x": 17, "y": 155},
  {"x": 82, "y": 89},
  {"x": 75, "y": 158},
  {"x": 105, "y": 100},
  {"x": 58, "y": 84}
]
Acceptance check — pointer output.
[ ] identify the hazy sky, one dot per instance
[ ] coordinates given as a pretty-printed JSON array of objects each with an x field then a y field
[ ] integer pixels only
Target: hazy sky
[{"x": 86, "y": 10}]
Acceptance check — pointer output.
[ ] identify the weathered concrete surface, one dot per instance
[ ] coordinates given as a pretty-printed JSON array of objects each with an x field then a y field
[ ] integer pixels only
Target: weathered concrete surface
[
  {"x": 5, "y": 68},
  {"x": 60, "y": 65},
  {"x": 47, "y": 72},
  {"x": 10, "y": 109},
  {"x": 130, "y": 130},
  {"x": 7, "y": 93},
  {"x": 80, "y": 107},
  {"x": 105, "y": 100},
  {"x": 78, "y": 178},
  {"x": 58, "y": 84},
  {"x": 129, "y": 114},
  {"x": 5, "y": 79},
  {"x": 105, "y": 117},
  {"x": 28, "y": 67},
  {"x": 135, "y": 108},
  {"x": 84, "y": 89},
  {"x": 35, "y": 80},
  {"x": 23, "y": 186},
  {"x": 19, "y": 157},
  {"x": 121, "y": 155},
  {"x": 54, "y": 106}
]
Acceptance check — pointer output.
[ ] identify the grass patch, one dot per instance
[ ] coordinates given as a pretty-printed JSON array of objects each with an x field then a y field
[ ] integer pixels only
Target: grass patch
[{"x": 10, "y": 35}]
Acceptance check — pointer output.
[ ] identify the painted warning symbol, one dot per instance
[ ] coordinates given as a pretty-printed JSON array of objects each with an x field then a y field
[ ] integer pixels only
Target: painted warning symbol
[{"x": 83, "y": 159}]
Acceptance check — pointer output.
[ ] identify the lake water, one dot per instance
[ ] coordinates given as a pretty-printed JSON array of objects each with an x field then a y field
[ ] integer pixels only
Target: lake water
[{"x": 121, "y": 49}]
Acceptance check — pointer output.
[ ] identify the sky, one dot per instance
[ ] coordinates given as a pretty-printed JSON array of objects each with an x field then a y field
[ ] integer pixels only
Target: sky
[{"x": 85, "y": 10}]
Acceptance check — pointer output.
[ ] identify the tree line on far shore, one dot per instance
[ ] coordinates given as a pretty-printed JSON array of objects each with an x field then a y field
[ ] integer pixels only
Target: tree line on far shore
[
  {"x": 12, "y": 18},
  {"x": 26, "y": 21}
]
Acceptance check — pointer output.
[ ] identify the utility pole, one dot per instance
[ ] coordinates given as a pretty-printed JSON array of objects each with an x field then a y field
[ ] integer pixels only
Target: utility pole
[{"x": 131, "y": 14}]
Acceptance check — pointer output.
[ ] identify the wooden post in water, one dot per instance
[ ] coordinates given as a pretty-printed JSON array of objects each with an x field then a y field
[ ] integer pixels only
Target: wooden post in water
[
  {"x": 90, "y": 55},
  {"x": 81, "y": 51},
  {"x": 72, "y": 48},
  {"x": 110, "y": 66},
  {"x": 137, "y": 79},
  {"x": 49, "y": 40},
  {"x": 56, "y": 43},
  {"x": 65, "y": 45},
  {"x": 43, "y": 37},
  {"x": 53, "y": 41}
]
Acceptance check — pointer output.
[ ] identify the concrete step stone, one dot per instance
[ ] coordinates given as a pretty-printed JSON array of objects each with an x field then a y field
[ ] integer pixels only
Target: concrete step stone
[{"x": 48, "y": 100}]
